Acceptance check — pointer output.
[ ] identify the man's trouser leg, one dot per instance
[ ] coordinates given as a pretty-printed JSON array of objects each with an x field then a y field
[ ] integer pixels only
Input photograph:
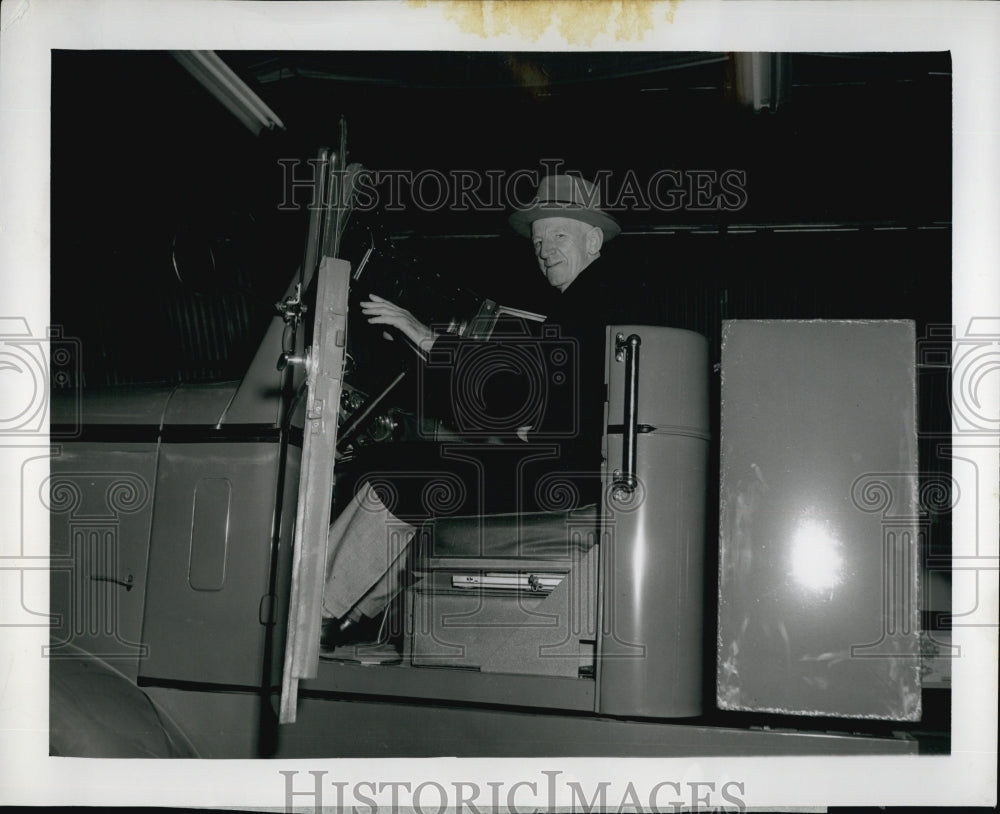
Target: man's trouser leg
[{"x": 366, "y": 554}]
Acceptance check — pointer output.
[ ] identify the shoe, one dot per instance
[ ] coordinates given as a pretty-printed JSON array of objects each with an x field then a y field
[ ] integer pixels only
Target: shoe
[{"x": 339, "y": 632}]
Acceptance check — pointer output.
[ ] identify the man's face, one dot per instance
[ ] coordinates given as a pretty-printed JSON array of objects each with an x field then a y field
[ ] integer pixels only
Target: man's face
[{"x": 564, "y": 247}]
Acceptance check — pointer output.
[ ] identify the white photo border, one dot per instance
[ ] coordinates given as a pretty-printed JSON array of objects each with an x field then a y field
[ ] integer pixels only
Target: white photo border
[{"x": 969, "y": 30}]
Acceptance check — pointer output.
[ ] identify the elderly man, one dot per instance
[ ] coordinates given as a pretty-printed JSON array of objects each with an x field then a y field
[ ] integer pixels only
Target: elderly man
[{"x": 550, "y": 415}]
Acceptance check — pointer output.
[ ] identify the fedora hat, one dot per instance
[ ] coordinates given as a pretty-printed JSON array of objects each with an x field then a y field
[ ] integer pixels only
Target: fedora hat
[{"x": 565, "y": 196}]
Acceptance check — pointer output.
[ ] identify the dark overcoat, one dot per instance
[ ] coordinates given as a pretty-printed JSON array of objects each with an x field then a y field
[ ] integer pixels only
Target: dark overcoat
[{"x": 547, "y": 376}]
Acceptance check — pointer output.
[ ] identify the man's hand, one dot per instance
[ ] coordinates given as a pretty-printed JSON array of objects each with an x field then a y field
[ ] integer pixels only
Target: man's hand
[{"x": 382, "y": 312}]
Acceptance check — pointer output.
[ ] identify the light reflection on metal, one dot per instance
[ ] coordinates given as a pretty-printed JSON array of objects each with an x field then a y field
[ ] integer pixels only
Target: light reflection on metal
[
  {"x": 223, "y": 83},
  {"x": 627, "y": 350},
  {"x": 760, "y": 80},
  {"x": 816, "y": 559},
  {"x": 818, "y": 577}
]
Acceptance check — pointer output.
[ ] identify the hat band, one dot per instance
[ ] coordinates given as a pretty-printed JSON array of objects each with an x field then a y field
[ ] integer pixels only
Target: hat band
[{"x": 564, "y": 202}]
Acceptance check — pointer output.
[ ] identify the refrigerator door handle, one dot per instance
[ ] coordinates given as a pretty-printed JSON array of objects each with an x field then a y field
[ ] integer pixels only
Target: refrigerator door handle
[{"x": 625, "y": 480}]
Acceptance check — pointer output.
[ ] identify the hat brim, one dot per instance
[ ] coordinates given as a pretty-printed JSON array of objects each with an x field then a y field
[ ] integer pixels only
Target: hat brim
[{"x": 521, "y": 219}]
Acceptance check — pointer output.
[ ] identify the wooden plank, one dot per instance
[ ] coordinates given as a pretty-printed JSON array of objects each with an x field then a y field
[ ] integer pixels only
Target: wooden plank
[{"x": 325, "y": 365}]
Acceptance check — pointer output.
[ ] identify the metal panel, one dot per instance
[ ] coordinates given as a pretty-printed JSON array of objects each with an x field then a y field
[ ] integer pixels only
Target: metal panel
[
  {"x": 224, "y": 725},
  {"x": 673, "y": 391},
  {"x": 210, "y": 635},
  {"x": 442, "y": 731},
  {"x": 650, "y": 646},
  {"x": 522, "y": 632},
  {"x": 199, "y": 403},
  {"x": 454, "y": 686},
  {"x": 101, "y": 505},
  {"x": 818, "y": 563},
  {"x": 114, "y": 405}
]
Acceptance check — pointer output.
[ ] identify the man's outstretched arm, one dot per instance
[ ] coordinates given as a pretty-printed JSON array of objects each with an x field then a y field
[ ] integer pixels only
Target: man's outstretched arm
[{"x": 382, "y": 312}]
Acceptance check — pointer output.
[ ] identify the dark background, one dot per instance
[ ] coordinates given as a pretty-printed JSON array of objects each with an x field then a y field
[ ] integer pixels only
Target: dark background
[
  {"x": 847, "y": 213},
  {"x": 169, "y": 248}
]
